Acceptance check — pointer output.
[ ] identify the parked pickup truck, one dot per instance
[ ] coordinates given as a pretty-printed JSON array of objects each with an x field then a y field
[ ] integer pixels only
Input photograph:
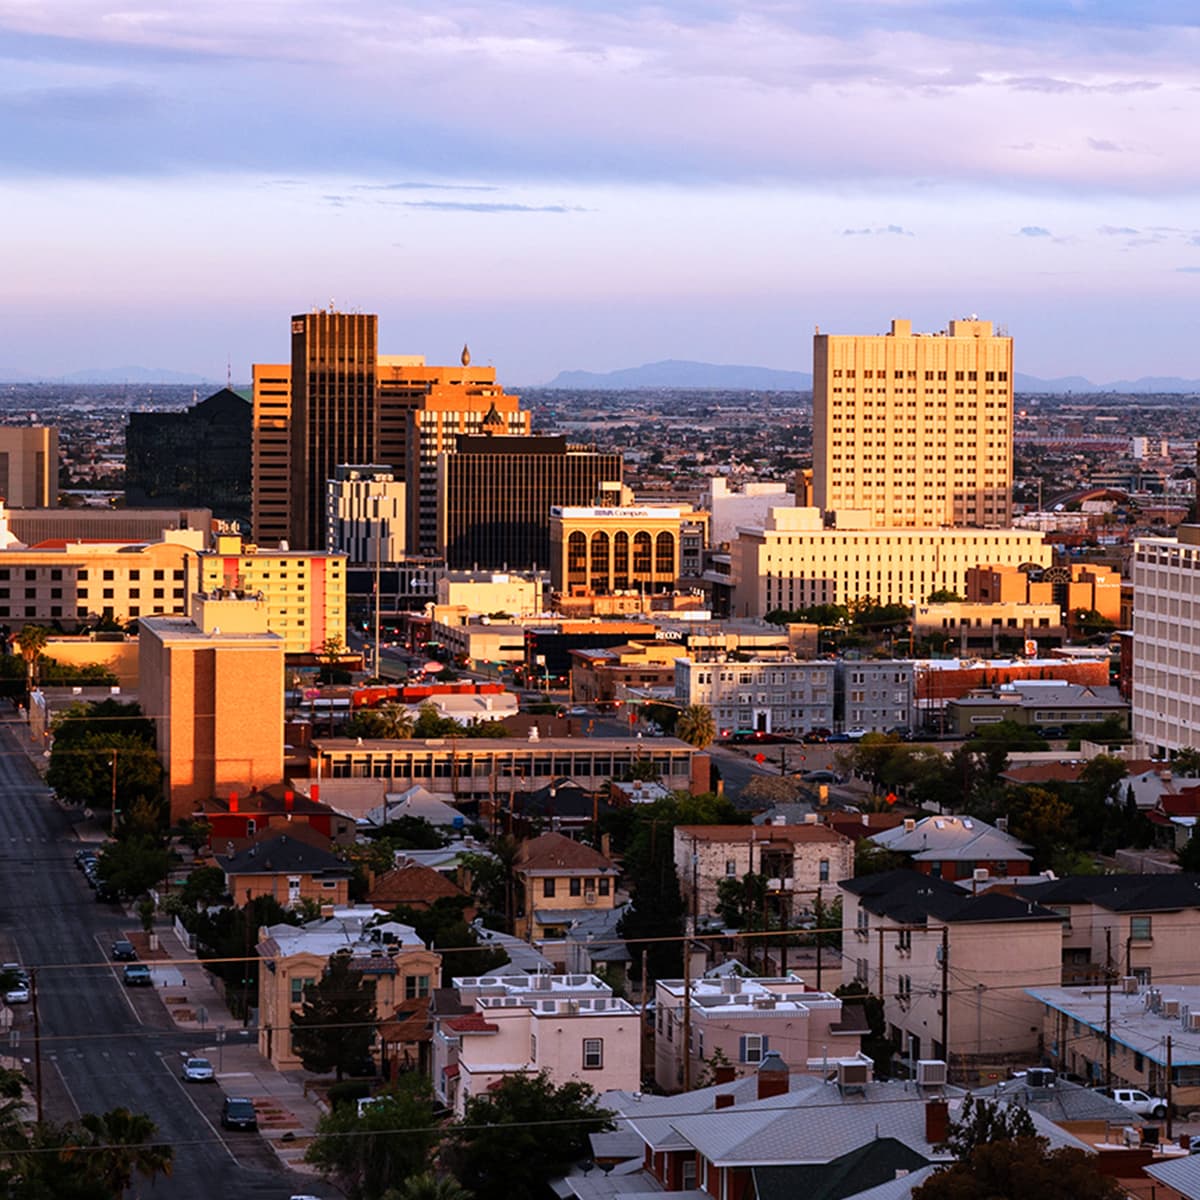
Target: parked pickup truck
[{"x": 1141, "y": 1103}]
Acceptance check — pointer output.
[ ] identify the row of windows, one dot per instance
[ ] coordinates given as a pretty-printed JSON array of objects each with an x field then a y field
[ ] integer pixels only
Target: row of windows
[
  {"x": 872, "y": 373},
  {"x": 577, "y": 885}
]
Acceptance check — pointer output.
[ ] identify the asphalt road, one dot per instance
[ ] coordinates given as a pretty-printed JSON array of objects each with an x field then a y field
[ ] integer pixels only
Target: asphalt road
[{"x": 104, "y": 1045}]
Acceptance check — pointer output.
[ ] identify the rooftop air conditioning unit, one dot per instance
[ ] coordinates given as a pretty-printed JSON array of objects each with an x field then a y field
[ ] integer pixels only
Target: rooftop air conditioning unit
[
  {"x": 981, "y": 875},
  {"x": 1170, "y": 1008},
  {"x": 931, "y": 1072},
  {"x": 1129, "y": 985},
  {"x": 1193, "y": 1022},
  {"x": 589, "y": 897},
  {"x": 909, "y": 824},
  {"x": 853, "y": 1074},
  {"x": 1040, "y": 1077}
]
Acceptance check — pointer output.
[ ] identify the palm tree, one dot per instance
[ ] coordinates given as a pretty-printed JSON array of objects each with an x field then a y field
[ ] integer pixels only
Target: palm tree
[
  {"x": 31, "y": 642},
  {"x": 119, "y": 1147},
  {"x": 394, "y": 721},
  {"x": 696, "y": 725},
  {"x": 428, "y": 1186}
]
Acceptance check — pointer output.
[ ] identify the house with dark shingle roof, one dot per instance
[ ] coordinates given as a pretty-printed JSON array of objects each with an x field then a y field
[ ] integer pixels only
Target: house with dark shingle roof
[
  {"x": 901, "y": 927},
  {"x": 1150, "y": 921},
  {"x": 555, "y": 875},
  {"x": 289, "y": 869}
]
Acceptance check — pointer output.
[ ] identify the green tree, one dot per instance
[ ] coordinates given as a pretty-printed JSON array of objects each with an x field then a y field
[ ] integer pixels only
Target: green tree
[
  {"x": 120, "y": 1145},
  {"x": 442, "y": 928},
  {"x": 522, "y": 1133},
  {"x": 696, "y": 726},
  {"x": 1188, "y": 857},
  {"x": 876, "y": 1043},
  {"x": 742, "y": 903},
  {"x": 428, "y": 1186},
  {"x": 1044, "y": 820},
  {"x": 225, "y": 940},
  {"x": 31, "y": 641},
  {"x": 388, "y": 1146},
  {"x": 390, "y": 721},
  {"x": 1019, "y": 1168},
  {"x": 133, "y": 866},
  {"x": 1185, "y": 763},
  {"x": 943, "y": 596},
  {"x": 982, "y": 1121},
  {"x": 335, "y": 1026},
  {"x": 873, "y": 859},
  {"x": 204, "y": 886}
]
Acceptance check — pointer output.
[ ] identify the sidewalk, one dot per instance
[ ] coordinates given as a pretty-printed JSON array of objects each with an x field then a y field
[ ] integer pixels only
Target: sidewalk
[{"x": 287, "y": 1115}]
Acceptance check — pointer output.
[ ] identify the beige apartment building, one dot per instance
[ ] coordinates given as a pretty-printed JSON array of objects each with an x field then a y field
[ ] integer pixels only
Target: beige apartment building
[
  {"x": 302, "y": 592},
  {"x": 213, "y": 685},
  {"x": 915, "y": 428},
  {"x": 80, "y": 582},
  {"x": 795, "y": 561},
  {"x": 29, "y": 466}
]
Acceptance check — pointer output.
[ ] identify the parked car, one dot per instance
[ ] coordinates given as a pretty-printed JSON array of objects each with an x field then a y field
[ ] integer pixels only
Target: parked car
[
  {"x": 17, "y": 991},
  {"x": 197, "y": 1070},
  {"x": 838, "y": 738},
  {"x": 820, "y": 777},
  {"x": 238, "y": 1113},
  {"x": 1138, "y": 1101},
  {"x": 137, "y": 975},
  {"x": 818, "y": 735},
  {"x": 856, "y": 734},
  {"x": 123, "y": 951}
]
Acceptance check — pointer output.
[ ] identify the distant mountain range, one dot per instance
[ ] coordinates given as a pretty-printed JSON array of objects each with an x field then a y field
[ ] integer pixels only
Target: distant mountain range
[
  {"x": 108, "y": 375},
  {"x": 678, "y": 373}
]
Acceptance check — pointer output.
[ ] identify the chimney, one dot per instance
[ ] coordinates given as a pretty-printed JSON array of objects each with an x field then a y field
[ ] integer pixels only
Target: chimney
[
  {"x": 233, "y": 802},
  {"x": 314, "y": 792},
  {"x": 289, "y": 800},
  {"x": 724, "y": 1073},
  {"x": 724, "y": 1100},
  {"x": 937, "y": 1122},
  {"x": 772, "y": 1076}
]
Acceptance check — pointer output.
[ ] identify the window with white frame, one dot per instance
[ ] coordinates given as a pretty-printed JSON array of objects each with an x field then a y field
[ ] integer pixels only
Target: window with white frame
[
  {"x": 753, "y": 1047},
  {"x": 593, "y": 1054}
]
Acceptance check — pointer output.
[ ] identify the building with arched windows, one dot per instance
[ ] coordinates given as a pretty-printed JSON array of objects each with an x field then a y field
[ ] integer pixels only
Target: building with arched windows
[{"x": 610, "y": 551}]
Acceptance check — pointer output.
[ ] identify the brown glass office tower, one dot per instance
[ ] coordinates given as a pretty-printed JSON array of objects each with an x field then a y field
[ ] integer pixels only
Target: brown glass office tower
[{"x": 495, "y": 496}]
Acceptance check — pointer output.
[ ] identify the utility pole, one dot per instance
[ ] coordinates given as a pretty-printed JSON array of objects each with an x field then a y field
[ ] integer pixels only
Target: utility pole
[
  {"x": 37, "y": 1043},
  {"x": 645, "y": 999},
  {"x": 882, "y": 990},
  {"x": 687, "y": 1014},
  {"x": 114, "y": 792},
  {"x": 1108, "y": 974},
  {"x": 1169, "y": 1074},
  {"x": 945, "y": 1014},
  {"x": 820, "y": 913}
]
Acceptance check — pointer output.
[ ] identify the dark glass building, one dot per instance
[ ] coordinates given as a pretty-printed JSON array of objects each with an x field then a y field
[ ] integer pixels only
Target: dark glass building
[
  {"x": 495, "y": 494},
  {"x": 198, "y": 458}
]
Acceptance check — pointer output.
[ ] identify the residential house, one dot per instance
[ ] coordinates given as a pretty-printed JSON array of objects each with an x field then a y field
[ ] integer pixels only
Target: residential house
[
  {"x": 411, "y": 885},
  {"x": 403, "y": 970},
  {"x": 239, "y": 819},
  {"x": 797, "y": 861},
  {"x": 556, "y": 875},
  {"x": 288, "y": 868},
  {"x": 943, "y": 961},
  {"x": 780, "y": 1134},
  {"x": 1089, "y": 1031},
  {"x": 1144, "y": 925},
  {"x": 570, "y": 1026},
  {"x": 951, "y": 847},
  {"x": 1037, "y": 704},
  {"x": 740, "y": 1020}
]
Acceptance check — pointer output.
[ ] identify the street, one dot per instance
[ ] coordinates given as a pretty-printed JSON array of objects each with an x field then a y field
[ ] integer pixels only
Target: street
[{"x": 104, "y": 1045}]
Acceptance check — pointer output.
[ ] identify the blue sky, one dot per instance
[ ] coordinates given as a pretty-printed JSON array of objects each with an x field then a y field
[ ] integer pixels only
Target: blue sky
[{"x": 597, "y": 184}]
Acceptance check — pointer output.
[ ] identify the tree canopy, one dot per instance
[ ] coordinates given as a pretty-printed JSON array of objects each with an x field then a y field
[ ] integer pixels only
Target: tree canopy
[{"x": 335, "y": 1026}]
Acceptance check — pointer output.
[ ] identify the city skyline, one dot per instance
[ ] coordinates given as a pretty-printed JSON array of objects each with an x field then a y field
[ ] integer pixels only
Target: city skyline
[{"x": 597, "y": 186}]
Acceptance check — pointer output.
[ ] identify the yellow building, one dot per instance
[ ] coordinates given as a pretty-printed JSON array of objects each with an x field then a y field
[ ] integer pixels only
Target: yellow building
[
  {"x": 556, "y": 877},
  {"x": 79, "y": 582},
  {"x": 390, "y": 955},
  {"x": 303, "y": 592},
  {"x": 29, "y": 466},
  {"x": 473, "y": 592},
  {"x": 200, "y": 679},
  {"x": 915, "y": 428},
  {"x": 795, "y": 562},
  {"x": 606, "y": 551}
]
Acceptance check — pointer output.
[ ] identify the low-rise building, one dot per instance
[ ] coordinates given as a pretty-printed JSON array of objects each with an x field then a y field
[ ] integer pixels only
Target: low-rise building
[
  {"x": 767, "y": 695},
  {"x": 1136, "y": 1033},
  {"x": 602, "y": 676},
  {"x": 1144, "y": 925},
  {"x": 292, "y": 868},
  {"x": 796, "y": 860},
  {"x": 875, "y": 696},
  {"x": 556, "y": 875},
  {"x": 943, "y": 961},
  {"x": 1037, "y": 704},
  {"x": 570, "y": 1026},
  {"x": 490, "y": 593},
  {"x": 303, "y": 592},
  {"x": 953, "y": 847},
  {"x": 739, "y": 1021},
  {"x": 403, "y": 970}
]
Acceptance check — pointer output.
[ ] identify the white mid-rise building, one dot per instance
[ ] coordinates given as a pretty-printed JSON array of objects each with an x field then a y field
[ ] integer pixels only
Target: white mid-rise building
[
  {"x": 1166, "y": 640},
  {"x": 365, "y": 514},
  {"x": 769, "y": 695}
]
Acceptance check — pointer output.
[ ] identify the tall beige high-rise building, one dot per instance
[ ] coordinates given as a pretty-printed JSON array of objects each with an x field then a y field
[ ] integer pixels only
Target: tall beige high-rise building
[
  {"x": 915, "y": 429},
  {"x": 29, "y": 466}
]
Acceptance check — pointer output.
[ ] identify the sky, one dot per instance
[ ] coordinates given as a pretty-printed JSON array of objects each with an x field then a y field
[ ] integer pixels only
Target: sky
[{"x": 595, "y": 184}]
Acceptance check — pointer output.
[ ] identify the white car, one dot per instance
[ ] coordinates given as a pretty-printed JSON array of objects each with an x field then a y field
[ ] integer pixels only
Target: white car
[
  {"x": 197, "y": 1070},
  {"x": 1137, "y": 1100}
]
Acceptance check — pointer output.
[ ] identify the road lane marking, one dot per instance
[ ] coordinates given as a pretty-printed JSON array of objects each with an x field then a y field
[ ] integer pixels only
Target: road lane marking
[
  {"x": 124, "y": 990},
  {"x": 203, "y": 1116}
]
